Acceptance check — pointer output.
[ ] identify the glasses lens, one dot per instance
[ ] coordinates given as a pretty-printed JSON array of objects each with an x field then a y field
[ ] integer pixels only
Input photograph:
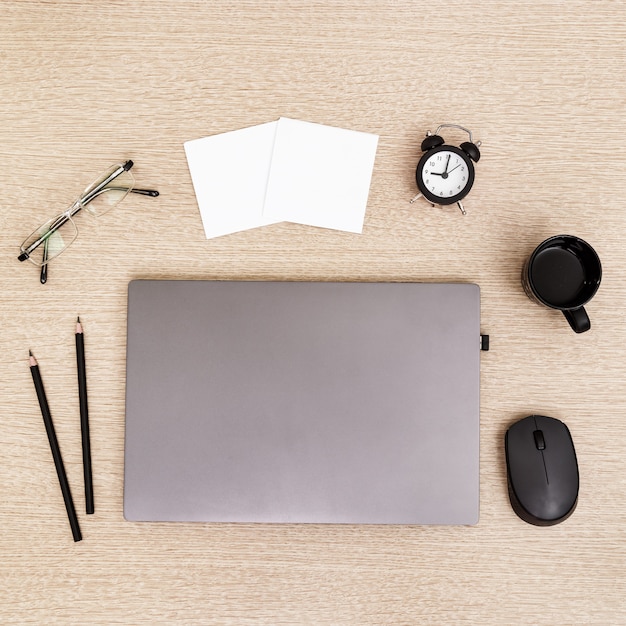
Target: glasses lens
[
  {"x": 107, "y": 191},
  {"x": 55, "y": 236}
]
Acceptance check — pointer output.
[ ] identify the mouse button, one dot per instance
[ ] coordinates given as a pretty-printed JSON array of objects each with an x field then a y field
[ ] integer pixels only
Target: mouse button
[
  {"x": 525, "y": 467},
  {"x": 557, "y": 439},
  {"x": 561, "y": 466},
  {"x": 562, "y": 492},
  {"x": 549, "y": 425},
  {"x": 540, "y": 442},
  {"x": 520, "y": 433}
]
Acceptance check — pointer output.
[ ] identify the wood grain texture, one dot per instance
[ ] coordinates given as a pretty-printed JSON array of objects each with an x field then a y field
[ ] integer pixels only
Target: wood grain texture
[{"x": 84, "y": 85}]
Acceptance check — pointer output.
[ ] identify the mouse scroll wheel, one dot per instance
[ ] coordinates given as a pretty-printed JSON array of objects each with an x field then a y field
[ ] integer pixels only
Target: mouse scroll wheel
[{"x": 540, "y": 442}]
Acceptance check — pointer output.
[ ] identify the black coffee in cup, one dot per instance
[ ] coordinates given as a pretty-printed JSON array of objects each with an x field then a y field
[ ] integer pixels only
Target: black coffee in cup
[{"x": 564, "y": 273}]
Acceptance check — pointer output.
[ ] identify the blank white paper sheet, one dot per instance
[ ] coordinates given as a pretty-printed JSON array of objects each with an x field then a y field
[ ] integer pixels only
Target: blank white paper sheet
[
  {"x": 287, "y": 170},
  {"x": 229, "y": 172},
  {"x": 320, "y": 175}
]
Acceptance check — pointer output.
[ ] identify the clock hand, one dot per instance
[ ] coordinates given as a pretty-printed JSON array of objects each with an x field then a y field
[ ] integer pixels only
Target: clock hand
[
  {"x": 452, "y": 170},
  {"x": 445, "y": 173}
]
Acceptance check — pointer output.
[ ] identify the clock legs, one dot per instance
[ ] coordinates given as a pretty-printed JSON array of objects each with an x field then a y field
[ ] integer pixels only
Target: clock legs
[
  {"x": 459, "y": 203},
  {"x": 417, "y": 197}
]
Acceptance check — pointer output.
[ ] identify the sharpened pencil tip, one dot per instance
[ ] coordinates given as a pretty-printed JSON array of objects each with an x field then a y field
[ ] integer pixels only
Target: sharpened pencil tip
[
  {"x": 30, "y": 353},
  {"x": 78, "y": 319}
]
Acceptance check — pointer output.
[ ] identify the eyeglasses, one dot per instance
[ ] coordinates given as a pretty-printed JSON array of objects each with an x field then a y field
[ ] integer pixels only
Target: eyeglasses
[{"x": 56, "y": 235}]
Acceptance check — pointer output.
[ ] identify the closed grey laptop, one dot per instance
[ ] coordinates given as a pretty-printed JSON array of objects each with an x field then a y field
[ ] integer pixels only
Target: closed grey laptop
[{"x": 302, "y": 402}]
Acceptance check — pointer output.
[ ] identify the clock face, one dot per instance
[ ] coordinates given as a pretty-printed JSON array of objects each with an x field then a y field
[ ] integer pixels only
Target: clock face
[{"x": 445, "y": 175}]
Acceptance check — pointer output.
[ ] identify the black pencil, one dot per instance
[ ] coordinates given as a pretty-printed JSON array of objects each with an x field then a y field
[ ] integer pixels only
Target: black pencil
[
  {"x": 84, "y": 417},
  {"x": 54, "y": 447}
]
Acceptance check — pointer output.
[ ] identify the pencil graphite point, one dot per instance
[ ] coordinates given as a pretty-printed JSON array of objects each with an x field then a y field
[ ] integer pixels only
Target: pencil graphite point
[
  {"x": 79, "y": 326},
  {"x": 33, "y": 360}
]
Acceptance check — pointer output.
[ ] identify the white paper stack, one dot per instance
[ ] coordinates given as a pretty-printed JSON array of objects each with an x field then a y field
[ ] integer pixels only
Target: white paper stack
[{"x": 286, "y": 170}]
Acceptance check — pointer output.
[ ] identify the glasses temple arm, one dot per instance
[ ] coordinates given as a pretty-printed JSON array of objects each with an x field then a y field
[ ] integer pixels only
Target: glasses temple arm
[
  {"x": 43, "y": 276},
  {"x": 144, "y": 192}
]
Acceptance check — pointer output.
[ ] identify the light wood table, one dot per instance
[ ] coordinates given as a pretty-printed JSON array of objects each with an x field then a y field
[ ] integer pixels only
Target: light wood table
[{"x": 541, "y": 83}]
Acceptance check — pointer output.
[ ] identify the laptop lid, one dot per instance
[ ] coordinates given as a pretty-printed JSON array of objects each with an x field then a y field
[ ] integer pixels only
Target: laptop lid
[{"x": 302, "y": 402}]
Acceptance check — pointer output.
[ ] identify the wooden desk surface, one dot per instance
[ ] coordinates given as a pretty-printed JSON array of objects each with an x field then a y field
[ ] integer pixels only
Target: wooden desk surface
[{"x": 84, "y": 85}]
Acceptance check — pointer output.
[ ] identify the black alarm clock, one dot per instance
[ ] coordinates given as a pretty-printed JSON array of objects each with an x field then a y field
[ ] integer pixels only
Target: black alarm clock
[{"x": 445, "y": 174}]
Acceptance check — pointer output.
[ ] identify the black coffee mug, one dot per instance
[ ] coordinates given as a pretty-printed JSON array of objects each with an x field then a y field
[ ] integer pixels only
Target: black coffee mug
[{"x": 564, "y": 273}]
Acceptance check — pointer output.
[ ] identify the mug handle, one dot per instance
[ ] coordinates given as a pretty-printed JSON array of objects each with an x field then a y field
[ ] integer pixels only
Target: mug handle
[{"x": 578, "y": 319}]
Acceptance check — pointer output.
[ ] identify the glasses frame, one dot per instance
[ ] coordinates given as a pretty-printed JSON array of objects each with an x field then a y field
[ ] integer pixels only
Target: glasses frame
[{"x": 79, "y": 204}]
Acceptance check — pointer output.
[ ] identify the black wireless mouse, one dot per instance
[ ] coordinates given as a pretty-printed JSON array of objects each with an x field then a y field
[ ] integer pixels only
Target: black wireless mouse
[{"x": 542, "y": 470}]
